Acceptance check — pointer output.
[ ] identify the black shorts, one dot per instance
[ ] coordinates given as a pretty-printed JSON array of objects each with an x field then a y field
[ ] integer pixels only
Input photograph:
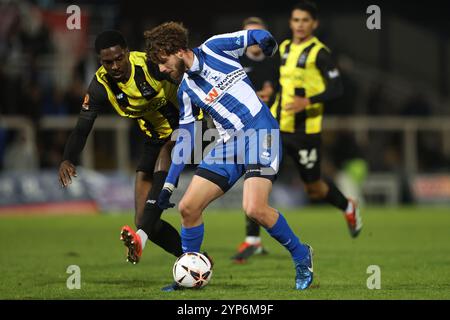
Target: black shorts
[
  {"x": 149, "y": 155},
  {"x": 251, "y": 171},
  {"x": 305, "y": 151}
]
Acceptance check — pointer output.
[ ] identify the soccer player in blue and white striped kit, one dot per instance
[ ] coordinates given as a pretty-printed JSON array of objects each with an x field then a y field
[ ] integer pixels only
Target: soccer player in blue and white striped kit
[{"x": 213, "y": 79}]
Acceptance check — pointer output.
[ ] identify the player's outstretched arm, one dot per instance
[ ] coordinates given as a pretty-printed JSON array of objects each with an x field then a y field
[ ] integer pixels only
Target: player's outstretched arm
[
  {"x": 94, "y": 100},
  {"x": 74, "y": 146},
  {"x": 181, "y": 156},
  {"x": 234, "y": 44},
  {"x": 264, "y": 39}
]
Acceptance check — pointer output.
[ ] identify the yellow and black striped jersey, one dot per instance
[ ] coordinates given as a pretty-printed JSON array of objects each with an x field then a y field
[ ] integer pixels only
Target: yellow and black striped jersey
[
  {"x": 148, "y": 96},
  {"x": 306, "y": 70}
]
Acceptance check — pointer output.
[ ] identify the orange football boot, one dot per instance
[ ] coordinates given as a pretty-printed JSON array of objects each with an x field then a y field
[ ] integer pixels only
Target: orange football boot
[{"x": 133, "y": 243}]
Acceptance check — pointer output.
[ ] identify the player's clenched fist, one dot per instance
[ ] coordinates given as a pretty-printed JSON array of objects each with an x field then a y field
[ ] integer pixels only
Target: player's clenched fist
[{"x": 67, "y": 170}]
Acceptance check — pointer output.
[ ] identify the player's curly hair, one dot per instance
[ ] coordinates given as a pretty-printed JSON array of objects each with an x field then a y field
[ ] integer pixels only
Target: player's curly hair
[{"x": 166, "y": 39}]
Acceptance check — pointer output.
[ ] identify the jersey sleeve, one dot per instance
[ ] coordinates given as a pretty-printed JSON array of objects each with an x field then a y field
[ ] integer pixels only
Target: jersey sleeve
[
  {"x": 188, "y": 111},
  {"x": 181, "y": 153},
  {"x": 95, "y": 98},
  {"x": 185, "y": 140},
  {"x": 234, "y": 44},
  {"x": 331, "y": 75}
]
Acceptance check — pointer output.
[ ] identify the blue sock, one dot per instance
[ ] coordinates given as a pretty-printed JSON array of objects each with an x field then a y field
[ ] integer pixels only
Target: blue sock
[
  {"x": 191, "y": 238},
  {"x": 284, "y": 235}
]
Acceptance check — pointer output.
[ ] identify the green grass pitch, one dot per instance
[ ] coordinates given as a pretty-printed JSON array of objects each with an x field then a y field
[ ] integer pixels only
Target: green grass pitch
[{"x": 410, "y": 245}]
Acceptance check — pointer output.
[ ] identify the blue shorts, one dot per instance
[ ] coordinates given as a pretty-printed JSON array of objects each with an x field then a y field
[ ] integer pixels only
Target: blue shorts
[{"x": 254, "y": 151}]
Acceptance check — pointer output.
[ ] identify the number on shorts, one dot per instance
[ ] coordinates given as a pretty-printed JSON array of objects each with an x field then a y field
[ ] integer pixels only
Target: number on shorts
[{"x": 308, "y": 158}]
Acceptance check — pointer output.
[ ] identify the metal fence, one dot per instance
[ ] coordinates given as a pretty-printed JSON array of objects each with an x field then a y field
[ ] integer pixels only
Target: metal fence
[{"x": 385, "y": 184}]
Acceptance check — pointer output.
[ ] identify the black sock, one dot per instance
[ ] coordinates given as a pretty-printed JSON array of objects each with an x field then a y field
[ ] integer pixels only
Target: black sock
[
  {"x": 167, "y": 237},
  {"x": 158, "y": 231},
  {"x": 335, "y": 197},
  {"x": 252, "y": 227}
]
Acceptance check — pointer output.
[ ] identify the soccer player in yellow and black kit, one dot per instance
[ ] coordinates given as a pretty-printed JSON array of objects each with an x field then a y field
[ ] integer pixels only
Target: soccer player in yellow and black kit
[
  {"x": 308, "y": 79},
  {"x": 134, "y": 88}
]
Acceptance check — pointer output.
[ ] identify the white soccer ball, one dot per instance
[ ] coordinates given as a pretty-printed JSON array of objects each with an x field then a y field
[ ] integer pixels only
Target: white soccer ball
[{"x": 192, "y": 270}]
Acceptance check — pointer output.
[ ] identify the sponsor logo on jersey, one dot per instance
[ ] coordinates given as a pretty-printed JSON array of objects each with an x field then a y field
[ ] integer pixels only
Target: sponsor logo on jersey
[
  {"x": 211, "y": 96},
  {"x": 224, "y": 85}
]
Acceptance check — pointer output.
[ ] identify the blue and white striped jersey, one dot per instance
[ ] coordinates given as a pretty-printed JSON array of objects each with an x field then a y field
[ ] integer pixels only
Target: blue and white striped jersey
[{"x": 218, "y": 84}]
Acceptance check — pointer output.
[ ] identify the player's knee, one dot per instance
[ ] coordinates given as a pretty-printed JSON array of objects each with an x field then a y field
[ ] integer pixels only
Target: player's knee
[
  {"x": 187, "y": 210},
  {"x": 255, "y": 212}
]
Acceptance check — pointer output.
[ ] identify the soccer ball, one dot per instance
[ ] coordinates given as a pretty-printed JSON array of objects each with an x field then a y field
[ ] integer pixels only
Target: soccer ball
[{"x": 192, "y": 270}]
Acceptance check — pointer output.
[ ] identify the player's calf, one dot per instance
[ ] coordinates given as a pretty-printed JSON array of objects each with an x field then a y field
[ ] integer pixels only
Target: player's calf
[{"x": 261, "y": 213}]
